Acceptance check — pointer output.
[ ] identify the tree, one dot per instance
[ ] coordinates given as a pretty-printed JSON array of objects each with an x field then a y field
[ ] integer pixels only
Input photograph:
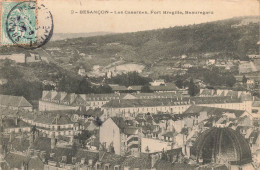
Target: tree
[
  {"x": 103, "y": 89},
  {"x": 179, "y": 83},
  {"x": 244, "y": 79},
  {"x": 230, "y": 80},
  {"x": 146, "y": 89},
  {"x": 82, "y": 137},
  {"x": 84, "y": 87},
  {"x": 193, "y": 89}
]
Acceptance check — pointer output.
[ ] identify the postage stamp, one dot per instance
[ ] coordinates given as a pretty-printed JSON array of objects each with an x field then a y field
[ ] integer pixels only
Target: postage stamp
[{"x": 25, "y": 24}]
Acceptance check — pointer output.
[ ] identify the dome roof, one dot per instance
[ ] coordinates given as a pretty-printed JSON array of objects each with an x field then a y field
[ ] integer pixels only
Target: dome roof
[{"x": 221, "y": 145}]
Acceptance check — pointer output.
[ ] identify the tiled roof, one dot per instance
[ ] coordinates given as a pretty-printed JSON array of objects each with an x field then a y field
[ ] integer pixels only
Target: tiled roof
[
  {"x": 168, "y": 134},
  {"x": 119, "y": 121},
  {"x": 183, "y": 166},
  {"x": 131, "y": 131},
  {"x": 163, "y": 164},
  {"x": 208, "y": 92},
  {"x": 42, "y": 144},
  {"x": 95, "y": 112},
  {"x": 166, "y": 87},
  {"x": 212, "y": 110},
  {"x": 156, "y": 95},
  {"x": 126, "y": 126},
  {"x": 143, "y": 162},
  {"x": 256, "y": 104},
  {"x": 79, "y": 101},
  {"x": 14, "y": 101},
  {"x": 20, "y": 143},
  {"x": 15, "y": 160},
  {"x": 158, "y": 117},
  {"x": 112, "y": 159},
  {"x": 168, "y": 101},
  {"x": 254, "y": 135},
  {"x": 11, "y": 123},
  {"x": 69, "y": 153},
  {"x": 7, "y": 111},
  {"x": 57, "y": 119},
  {"x": 124, "y": 88}
]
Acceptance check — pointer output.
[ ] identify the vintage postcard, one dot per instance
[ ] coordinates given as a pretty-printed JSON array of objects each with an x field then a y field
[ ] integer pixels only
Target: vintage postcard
[{"x": 129, "y": 85}]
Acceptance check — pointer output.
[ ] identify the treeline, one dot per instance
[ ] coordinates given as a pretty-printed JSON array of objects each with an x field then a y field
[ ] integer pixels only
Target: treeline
[
  {"x": 129, "y": 79},
  {"x": 219, "y": 36},
  {"x": 16, "y": 84},
  {"x": 19, "y": 83},
  {"x": 212, "y": 77}
]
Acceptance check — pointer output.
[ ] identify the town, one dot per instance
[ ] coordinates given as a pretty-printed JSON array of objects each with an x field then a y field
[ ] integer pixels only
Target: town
[{"x": 182, "y": 111}]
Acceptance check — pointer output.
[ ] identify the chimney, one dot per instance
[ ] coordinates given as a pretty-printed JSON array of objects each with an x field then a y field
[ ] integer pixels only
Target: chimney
[
  {"x": 53, "y": 141},
  {"x": 64, "y": 159},
  {"x": 90, "y": 162},
  {"x": 73, "y": 160},
  {"x": 52, "y": 155},
  {"x": 154, "y": 159},
  {"x": 31, "y": 139},
  {"x": 16, "y": 121},
  {"x": 83, "y": 160},
  {"x": 44, "y": 135},
  {"x": 43, "y": 156},
  {"x": 11, "y": 137}
]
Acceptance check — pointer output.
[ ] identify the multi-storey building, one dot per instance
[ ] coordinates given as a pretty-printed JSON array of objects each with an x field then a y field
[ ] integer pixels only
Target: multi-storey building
[
  {"x": 51, "y": 123},
  {"x": 130, "y": 108},
  {"x": 120, "y": 136},
  {"x": 53, "y": 100}
]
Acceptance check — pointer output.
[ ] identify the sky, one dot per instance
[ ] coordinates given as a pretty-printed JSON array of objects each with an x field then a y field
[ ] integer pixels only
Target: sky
[{"x": 66, "y": 22}]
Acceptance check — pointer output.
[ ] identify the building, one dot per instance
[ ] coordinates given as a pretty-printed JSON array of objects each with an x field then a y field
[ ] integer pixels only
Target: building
[
  {"x": 81, "y": 71},
  {"x": 14, "y": 125},
  {"x": 246, "y": 67},
  {"x": 158, "y": 82},
  {"x": 124, "y": 89},
  {"x": 3, "y": 81},
  {"x": 120, "y": 136},
  {"x": 167, "y": 87},
  {"x": 211, "y": 61},
  {"x": 254, "y": 56},
  {"x": 51, "y": 123},
  {"x": 15, "y": 102},
  {"x": 250, "y": 83},
  {"x": 53, "y": 100},
  {"x": 130, "y": 108},
  {"x": 222, "y": 146},
  {"x": 33, "y": 58}
]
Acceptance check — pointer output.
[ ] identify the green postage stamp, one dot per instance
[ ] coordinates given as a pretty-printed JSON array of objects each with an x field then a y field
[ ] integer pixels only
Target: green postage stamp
[{"x": 20, "y": 24}]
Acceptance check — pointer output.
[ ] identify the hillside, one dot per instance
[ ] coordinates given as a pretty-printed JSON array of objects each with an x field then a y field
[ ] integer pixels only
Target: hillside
[
  {"x": 157, "y": 53},
  {"x": 64, "y": 36},
  {"x": 156, "y": 49},
  {"x": 233, "y": 38}
]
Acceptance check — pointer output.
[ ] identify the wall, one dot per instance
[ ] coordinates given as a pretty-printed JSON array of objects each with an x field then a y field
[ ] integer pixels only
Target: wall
[
  {"x": 43, "y": 105},
  {"x": 154, "y": 145},
  {"x": 110, "y": 133}
]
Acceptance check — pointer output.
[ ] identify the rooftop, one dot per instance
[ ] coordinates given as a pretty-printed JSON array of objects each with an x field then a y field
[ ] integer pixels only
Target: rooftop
[
  {"x": 14, "y": 101},
  {"x": 168, "y": 101},
  {"x": 212, "y": 110},
  {"x": 228, "y": 143}
]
